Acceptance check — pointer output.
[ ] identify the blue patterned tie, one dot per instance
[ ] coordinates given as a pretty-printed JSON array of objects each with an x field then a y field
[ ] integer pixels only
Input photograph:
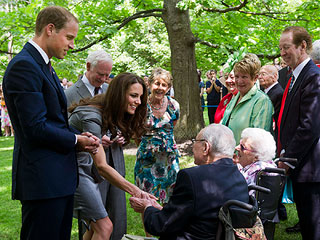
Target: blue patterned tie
[{"x": 291, "y": 83}]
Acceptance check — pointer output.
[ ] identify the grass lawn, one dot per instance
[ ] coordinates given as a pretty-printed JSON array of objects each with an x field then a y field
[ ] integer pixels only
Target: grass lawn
[{"x": 10, "y": 211}]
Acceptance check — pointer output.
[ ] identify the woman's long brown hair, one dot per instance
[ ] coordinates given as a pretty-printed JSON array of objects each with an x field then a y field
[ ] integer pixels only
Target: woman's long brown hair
[{"x": 114, "y": 104}]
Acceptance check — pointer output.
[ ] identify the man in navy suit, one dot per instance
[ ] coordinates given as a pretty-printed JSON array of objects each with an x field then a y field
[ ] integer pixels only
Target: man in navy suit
[
  {"x": 44, "y": 172},
  {"x": 192, "y": 211},
  {"x": 268, "y": 76},
  {"x": 299, "y": 127}
]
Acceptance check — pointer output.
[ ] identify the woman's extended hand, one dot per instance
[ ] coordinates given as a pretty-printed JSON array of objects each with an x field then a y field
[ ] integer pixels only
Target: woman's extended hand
[
  {"x": 146, "y": 195},
  {"x": 140, "y": 204},
  {"x": 120, "y": 140},
  {"x": 105, "y": 140}
]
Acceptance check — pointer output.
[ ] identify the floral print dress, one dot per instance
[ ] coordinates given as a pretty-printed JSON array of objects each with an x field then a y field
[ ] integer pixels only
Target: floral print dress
[
  {"x": 157, "y": 161},
  {"x": 250, "y": 171}
]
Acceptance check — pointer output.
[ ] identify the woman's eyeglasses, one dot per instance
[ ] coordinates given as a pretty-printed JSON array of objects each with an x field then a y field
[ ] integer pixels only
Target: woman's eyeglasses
[{"x": 242, "y": 148}]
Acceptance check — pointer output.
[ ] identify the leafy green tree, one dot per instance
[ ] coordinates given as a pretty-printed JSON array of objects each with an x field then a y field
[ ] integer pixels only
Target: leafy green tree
[{"x": 180, "y": 36}]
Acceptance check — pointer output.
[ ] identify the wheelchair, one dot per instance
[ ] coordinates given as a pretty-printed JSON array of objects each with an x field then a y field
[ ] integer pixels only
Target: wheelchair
[
  {"x": 239, "y": 220},
  {"x": 268, "y": 202}
]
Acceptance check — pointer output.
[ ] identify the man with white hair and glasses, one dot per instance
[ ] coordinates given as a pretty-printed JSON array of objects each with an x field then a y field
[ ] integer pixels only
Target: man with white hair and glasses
[{"x": 192, "y": 210}]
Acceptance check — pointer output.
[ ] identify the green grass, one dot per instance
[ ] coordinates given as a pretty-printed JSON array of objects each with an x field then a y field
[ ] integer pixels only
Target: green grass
[{"x": 10, "y": 211}]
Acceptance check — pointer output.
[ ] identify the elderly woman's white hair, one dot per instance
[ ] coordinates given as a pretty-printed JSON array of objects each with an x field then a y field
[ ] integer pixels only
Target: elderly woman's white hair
[
  {"x": 220, "y": 138},
  {"x": 96, "y": 56},
  {"x": 315, "y": 53},
  {"x": 261, "y": 142}
]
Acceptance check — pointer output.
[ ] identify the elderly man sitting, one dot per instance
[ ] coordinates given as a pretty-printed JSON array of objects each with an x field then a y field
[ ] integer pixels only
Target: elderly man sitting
[{"x": 192, "y": 211}]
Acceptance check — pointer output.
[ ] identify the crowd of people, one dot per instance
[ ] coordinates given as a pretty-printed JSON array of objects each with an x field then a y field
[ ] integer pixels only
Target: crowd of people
[{"x": 68, "y": 152}]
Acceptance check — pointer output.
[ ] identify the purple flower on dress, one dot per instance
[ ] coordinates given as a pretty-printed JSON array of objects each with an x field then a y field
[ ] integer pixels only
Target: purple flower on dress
[
  {"x": 162, "y": 195},
  {"x": 147, "y": 186}
]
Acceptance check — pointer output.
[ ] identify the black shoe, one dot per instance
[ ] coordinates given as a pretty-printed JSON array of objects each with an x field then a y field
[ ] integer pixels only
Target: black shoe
[
  {"x": 282, "y": 212},
  {"x": 294, "y": 229},
  {"x": 283, "y": 217}
]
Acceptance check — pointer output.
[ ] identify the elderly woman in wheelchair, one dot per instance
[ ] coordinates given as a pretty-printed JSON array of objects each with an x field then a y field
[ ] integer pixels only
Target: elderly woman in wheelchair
[
  {"x": 255, "y": 152},
  {"x": 254, "y": 158}
]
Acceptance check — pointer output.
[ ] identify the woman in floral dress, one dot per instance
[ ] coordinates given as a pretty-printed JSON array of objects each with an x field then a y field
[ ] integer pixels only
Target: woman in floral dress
[{"x": 157, "y": 162}]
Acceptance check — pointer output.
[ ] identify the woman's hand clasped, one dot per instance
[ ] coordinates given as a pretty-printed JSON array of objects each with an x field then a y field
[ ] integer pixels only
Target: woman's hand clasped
[{"x": 106, "y": 141}]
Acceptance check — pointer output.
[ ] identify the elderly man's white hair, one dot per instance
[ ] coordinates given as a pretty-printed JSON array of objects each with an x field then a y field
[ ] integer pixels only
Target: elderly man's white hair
[
  {"x": 220, "y": 138},
  {"x": 261, "y": 142},
  {"x": 96, "y": 56},
  {"x": 315, "y": 53}
]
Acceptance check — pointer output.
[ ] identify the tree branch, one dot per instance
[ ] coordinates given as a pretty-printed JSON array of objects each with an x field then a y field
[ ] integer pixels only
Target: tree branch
[
  {"x": 198, "y": 40},
  {"x": 228, "y": 9},
  {"x": 142, "y": 14},
  {"x": 148, "y": 13},
  {"x": 271, "y": 57},
  {"x": 268, "y": 14},
  {"x": 6, "y": 52}
]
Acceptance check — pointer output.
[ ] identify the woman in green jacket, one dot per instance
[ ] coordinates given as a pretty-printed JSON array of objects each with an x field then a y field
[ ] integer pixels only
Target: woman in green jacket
[{"x": 250, "y": 107}]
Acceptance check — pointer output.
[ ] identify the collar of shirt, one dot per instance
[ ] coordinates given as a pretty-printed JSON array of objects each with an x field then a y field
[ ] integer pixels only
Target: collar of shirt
[
  {"x": 40, "y": 50},
  {"x": 268, "y": 89},
  {"x": 299, "y": 68},
  {"x": 86, "y": 82}
]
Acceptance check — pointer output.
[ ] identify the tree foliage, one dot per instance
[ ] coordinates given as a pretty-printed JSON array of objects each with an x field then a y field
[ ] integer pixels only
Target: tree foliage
[
  {"x": 135, "y": 33},
  {"x": 143, "y": 43}
]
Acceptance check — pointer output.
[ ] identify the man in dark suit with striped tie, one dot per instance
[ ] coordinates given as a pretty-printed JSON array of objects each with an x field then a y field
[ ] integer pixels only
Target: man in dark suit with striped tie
[{"x": 299, "y": 127}]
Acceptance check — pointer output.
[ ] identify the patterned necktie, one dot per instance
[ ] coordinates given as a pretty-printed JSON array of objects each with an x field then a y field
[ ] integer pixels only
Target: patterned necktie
[
  {"x": 96, "y": 90},
  {"x": 50, "y": 67},
  {"x": 291, "y": 82}
]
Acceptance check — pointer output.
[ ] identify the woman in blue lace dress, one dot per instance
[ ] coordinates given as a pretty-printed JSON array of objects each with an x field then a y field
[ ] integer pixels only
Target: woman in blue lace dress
[{"x": 157, "y": 162}]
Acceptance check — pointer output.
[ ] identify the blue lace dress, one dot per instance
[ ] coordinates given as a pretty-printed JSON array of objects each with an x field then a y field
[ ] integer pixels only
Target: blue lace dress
[{"x": 157, "y": 161}]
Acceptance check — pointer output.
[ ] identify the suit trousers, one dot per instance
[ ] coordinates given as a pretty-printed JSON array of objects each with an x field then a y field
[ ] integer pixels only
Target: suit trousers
[
  {"x": 49, "y": 219},
  {"x": 307, "y": 198},
  {"x": 211, "y": 113}
]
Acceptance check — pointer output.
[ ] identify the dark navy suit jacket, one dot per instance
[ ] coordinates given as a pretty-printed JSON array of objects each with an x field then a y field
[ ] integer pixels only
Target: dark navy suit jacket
[
  {"x": 275, "y": 95},
  {"x": 192, "y": 211},
  {"x": 300, "y": 125},
  {"x": 44, "y": 160},
  {"x": 284, "y": 77}
]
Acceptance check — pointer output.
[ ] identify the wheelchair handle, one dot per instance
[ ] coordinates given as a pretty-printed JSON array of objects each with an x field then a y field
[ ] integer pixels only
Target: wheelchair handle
[
  {"x": 259, "y": 188},
  {"x": 274, "y": 170},
  {"x": 238, "y": 204},
  {"x": 286, "y": 159}
]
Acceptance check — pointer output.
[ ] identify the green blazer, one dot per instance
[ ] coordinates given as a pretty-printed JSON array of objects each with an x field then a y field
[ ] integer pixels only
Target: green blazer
[{"x": 254, "y": 110}]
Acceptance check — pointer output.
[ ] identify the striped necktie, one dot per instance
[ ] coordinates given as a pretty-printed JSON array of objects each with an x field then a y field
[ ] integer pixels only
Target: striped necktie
[
  {"x": 291, "y": 82},
  {"x": 96, "y": 90}
]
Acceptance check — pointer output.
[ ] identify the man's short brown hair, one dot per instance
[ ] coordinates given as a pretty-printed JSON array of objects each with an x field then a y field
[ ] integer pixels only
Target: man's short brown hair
[
  {"x": 300, "y": 34},
  {"x": 56, "y": 15}
]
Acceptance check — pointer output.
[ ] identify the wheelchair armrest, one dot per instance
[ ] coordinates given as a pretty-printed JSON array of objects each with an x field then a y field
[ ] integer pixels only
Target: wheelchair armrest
[
  {"x": 274, "y": 170},
  {"x": 242, "y": 215},
  {"x": 237, "y": 203},
  {"x": 285, "y": 159},
  {"x": 259, "y": 188}
]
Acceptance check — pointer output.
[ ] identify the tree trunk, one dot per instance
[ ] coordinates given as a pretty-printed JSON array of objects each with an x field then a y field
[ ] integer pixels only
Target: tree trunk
[{"x": 184, "y": 70}]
